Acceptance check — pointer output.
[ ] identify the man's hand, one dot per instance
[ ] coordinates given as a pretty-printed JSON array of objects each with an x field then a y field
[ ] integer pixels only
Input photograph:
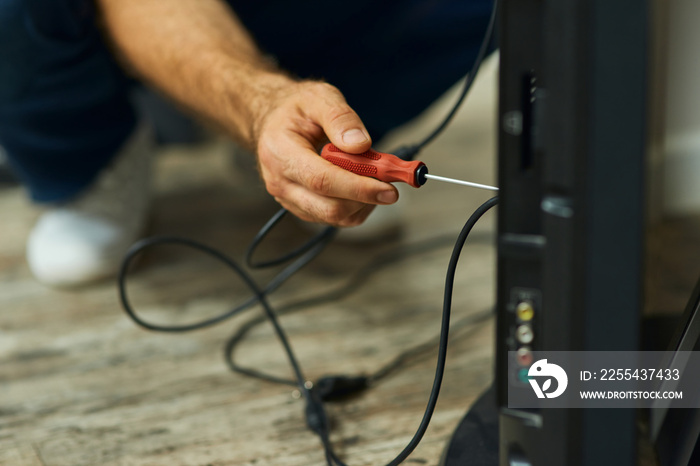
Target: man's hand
[
  {"x": 297, "y": 124},
  {"x": 199, "y": 53}
]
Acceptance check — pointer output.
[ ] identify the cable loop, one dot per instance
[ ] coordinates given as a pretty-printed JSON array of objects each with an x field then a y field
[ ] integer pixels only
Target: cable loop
[{"x": 265, "y": 230}]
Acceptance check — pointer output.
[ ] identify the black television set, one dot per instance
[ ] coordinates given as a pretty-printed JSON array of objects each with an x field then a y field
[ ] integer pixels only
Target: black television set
[{"x": 573, "y": 94}]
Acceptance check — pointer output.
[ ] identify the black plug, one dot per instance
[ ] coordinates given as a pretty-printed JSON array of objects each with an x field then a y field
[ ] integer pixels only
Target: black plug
[
  {"x": 336, "y": 387},
  {"x": 316, "y": 418}
]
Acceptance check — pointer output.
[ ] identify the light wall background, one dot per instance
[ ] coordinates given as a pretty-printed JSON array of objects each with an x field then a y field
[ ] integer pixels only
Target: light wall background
[{"x": 675, "y": 108}]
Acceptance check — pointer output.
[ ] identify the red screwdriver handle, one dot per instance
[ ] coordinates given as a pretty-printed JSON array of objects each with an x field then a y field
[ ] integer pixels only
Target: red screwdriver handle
[{"x": 384, "y": 167}]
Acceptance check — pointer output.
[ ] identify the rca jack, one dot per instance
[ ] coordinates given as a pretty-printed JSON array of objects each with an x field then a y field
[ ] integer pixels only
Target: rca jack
[
  {"x": 524, "y": 356},
  {"x": 524, "y": 334}
]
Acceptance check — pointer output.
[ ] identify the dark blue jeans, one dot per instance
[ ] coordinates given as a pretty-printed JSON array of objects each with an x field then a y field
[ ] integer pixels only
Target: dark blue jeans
[{"x": 64, "y": 106}]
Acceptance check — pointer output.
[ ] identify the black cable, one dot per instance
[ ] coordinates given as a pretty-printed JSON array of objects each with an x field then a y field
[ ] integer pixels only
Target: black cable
[
  {"x": 444, "y": 330},
  {"x": 401, "y": 359},
  {"x": 339, "y": 386},
  {"x": 265, "y": 230},
  {"x": 363, "y": 274},
  {"x": 143, "y": 244},
  {"x": 307, "y": 256},
  {"x": 410, "y": 152},
  {"x": 331, "y": 457},
  {"x": 316, "y": 417}
]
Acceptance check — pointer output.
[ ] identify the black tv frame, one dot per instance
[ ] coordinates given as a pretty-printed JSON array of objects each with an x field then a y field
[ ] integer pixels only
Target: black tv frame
[{"x": 573, "y": 93}]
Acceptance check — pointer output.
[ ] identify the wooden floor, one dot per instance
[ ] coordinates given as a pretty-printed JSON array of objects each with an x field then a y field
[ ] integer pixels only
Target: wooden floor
[{"x": 80, "y": 384}]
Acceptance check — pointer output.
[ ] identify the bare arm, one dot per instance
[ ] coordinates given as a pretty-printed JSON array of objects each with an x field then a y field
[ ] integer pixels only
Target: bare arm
[{"x": 198, "y": 52}]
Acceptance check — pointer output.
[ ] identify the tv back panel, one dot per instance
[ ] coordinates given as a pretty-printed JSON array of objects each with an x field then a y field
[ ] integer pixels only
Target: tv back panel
[{"x": 572, "y": 124}]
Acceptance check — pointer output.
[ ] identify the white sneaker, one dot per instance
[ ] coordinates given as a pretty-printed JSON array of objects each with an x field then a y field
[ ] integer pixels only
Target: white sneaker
[{"x": 84, "y": 240}]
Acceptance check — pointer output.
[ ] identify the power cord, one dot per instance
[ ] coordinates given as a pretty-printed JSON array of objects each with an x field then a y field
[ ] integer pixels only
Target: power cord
[
  {"x": 409, "y": 152},
  {"x": 316, "y": 417},
  {"x": 303, "y": 256},
  {"x": 336, "y": 387}
]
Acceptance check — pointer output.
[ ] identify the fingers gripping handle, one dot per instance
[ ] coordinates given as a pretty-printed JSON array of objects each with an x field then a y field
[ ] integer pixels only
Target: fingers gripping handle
[{"x": 384, "y": 167}]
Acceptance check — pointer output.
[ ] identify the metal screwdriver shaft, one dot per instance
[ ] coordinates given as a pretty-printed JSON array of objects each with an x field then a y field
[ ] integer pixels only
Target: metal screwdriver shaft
[{"x": 463, "y": 183}]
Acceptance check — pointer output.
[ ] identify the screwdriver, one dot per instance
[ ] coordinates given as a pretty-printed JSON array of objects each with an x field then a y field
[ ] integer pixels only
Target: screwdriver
[{"x": 388, "y": 167}]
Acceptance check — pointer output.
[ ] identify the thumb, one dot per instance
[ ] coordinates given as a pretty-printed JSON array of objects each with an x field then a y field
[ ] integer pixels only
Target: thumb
[{"x": 339, "y": 121}]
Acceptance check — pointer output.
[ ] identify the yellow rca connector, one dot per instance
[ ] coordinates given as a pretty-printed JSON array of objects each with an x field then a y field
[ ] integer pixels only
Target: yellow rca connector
[{"x": 525, "y": 311}]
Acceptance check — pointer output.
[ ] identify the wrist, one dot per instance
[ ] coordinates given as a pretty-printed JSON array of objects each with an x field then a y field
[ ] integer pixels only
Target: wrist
[{"x": 271, "y": 88}]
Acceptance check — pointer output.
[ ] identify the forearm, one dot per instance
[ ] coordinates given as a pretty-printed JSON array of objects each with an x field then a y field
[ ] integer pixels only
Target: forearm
[{"x": 199, "y": 53}]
